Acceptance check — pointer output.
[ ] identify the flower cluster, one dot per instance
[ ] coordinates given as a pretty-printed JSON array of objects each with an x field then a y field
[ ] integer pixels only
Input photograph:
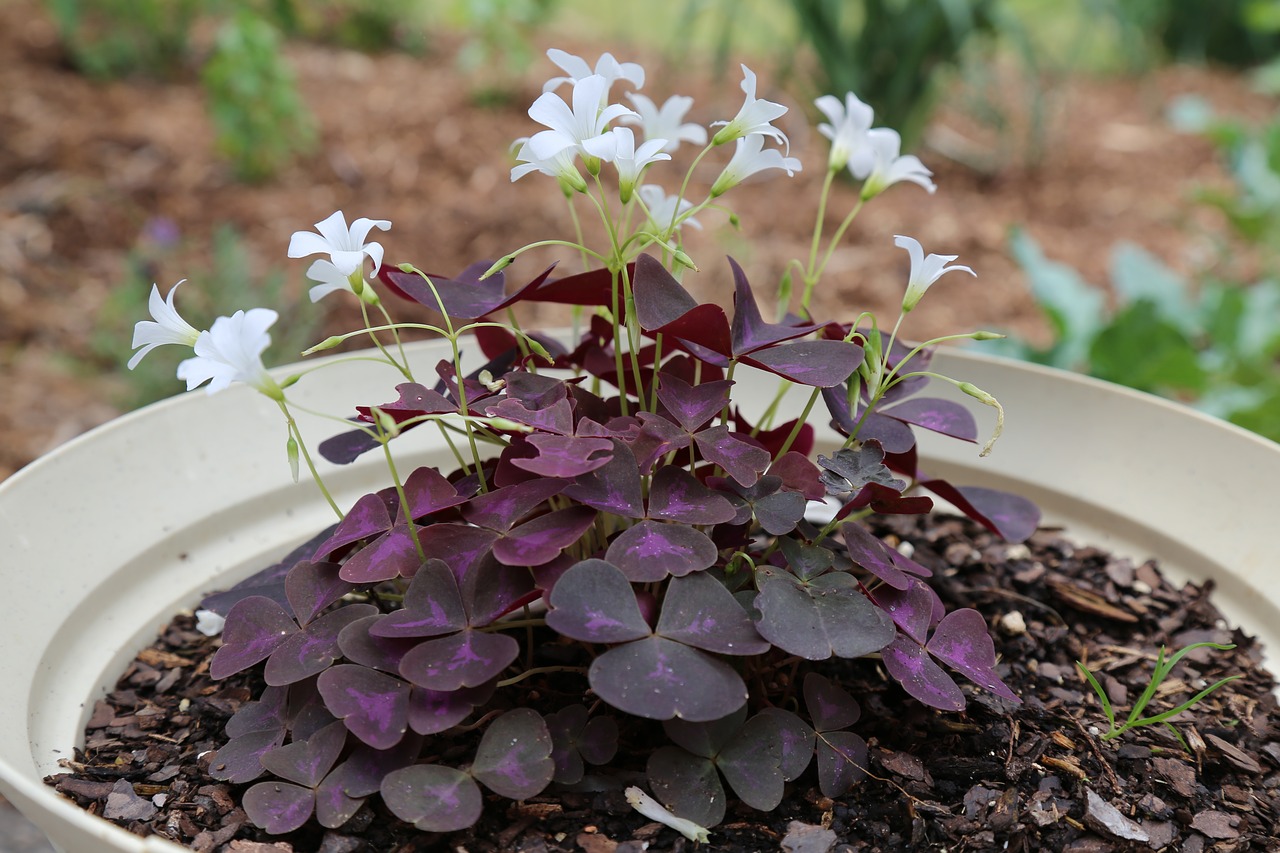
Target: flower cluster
[{"x": 618, "y": 523}]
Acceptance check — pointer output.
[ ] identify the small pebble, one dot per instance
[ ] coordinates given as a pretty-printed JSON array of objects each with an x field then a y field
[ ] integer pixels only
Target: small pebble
[{"x": 1013, "y": 624}]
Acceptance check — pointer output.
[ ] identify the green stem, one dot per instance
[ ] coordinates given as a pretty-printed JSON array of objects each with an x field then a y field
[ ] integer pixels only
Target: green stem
[{"x": 306, "y": 455}]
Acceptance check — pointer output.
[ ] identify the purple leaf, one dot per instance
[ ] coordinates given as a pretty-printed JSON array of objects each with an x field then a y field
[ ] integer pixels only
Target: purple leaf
[
  {"x": 575, "y": 739},
  {"x": 817, "y": 363},
  {"x": 270, "y": 581},
  {"x": 806, "y": 561},
  {"x": 849, "y": 469},
  {"x": 432, "y": 797},
  {"x": 279, "y": 807},
  {"x": 797, "y": 741},
  {"x": 614, "y": 487},
  {"x": 311, "y": 587},
  {"x": 943, "y": 416},
  {"x": 873, "y": 555},
  {"x": 658, "y": 679},
  {"x": 1013, "y": 517},
  {"x": 256, "y": 627},
  {"x": 663, "y": 306},
  {"x": 842, "y": 761},
  {"x": 816, "y": 622},
  {"x": 468, "y": 658},
  {"x": 752, "y": 764},
  {"x": 307, "y": 762},
  {"x": 799, "y": 475},
  {"x": 374, "y": 706},
  {"x": 369, "y": 517},
  {"x": 432, "y": 606},
  {"x": 651, "y": 550},
  {"x": 750, "y": 331},
  {"x": 461, "y": 546},
  {"x": 313, "y": 649},
  {"x": 333, "y": 805},
  {"x": 465, "y": 298},
  {"x": 911, "y": 610},
  {"x": 676, "y": 495},
  {"x": 346, "y": 447},
  {"x": 657, "y": 437},
  {"x": 895, "y": 436},
  {"x": 705, "y": 739},
  {"x": 779, "y": 512},
  {"x": 493, "y": 590},
  {"x": 911, "y": 666},
  {"x": 830, "y": 706},
  {"x": 542, "y": 539},
  {"x": 566, "y": 455},
  {"x": 741, "y": 460},
  {"x": 266, "y": 714},
  {"x": 514, "y": 756},
  {"x": 434, "y": 711},
  {"x": 363, "y": 771},
  {"x": 240, "y": 759},
  {"x": 594, "y": 602},
  {"x": 427, "y": 491},
  {"x": 687, "y": 784},
  {"x": 692, "y": 406},
  {"x": 699, "y": 611},
  {"x": 961, "y": 641},
  {"x": 391, "y": 555},
  {"x": 358, "y": 645}
]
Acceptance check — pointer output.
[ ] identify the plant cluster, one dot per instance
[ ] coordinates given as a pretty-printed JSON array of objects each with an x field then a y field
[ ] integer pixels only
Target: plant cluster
[{"x": 621, "y": 532}]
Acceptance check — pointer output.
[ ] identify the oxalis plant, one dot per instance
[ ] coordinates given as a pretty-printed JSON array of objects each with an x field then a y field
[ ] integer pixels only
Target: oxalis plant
[{"x": 616, "y": 535}]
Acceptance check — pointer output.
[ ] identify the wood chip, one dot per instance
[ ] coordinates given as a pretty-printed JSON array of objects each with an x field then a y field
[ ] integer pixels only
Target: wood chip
[
  {"x": 1240, "y": 759},
  {"x": 1088, "y": 601}
]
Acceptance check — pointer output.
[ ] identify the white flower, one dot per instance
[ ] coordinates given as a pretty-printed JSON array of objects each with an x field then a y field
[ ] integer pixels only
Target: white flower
[
  {"x": 748, "y": 159},
  {"x": 330, "y": 278},
  {"x": 583, "y": 128},
  {"x": 887, "y": 168},
  {"x": 166, "y": 327},
  {"x": 850, "y": 122},
  {"x": 665, "y": 122},
  {"x": 654, "y": 810},
  {"x": 630, "y": 161},
  {"x": 606, "y": 66},
  {"x": 560, "y": 166},
  {"x": 663, "y": 208},
  {"x": 924, "y": 271},
  {"x": 231, "y": 351},
  {"x": 209, "y": 623},
  {"x": 754, "y": 116},
  {"x": 346, "y": 247}
]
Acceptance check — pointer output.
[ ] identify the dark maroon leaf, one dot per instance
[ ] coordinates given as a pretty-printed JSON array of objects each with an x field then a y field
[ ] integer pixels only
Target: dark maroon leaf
[
  {"x": 750, "y": 331},
  {"x": 961, "y": 641},
  {"x": 816, "y": 622},
  {"x": 886, "y": 500},
  {"x": 432, "y": 797},
  {"x": 699, "y": 611},
  {"x": 1006, "y": 514},
  {"x": 842, "y": 761},
  {"x": 575, "y": 739},
  {"x": 461, "y": 546},
  {"x": 514, "y": 756},
  {"x": 663, "y": 306},
  {"x": 944, "y": 416},
  {"x": 239, "y": 760},
  {"x": 797, "y": 741},
  {"x": 805, "y": 561},
  {"x": 911, "y": 666},
  {"x": 493, "y": 590},
  {"x": 566, "y": 455},
  {"x": 910, "y": 609},
  {"x": 346, "y": 447},
  {"x": 594, "y": 287},
  {"x": 894, "y": 435},
  {"x": 614, "y": 487},
  {"x": 830, "y": 706},
  {"x": 427, "y": 491},
  {"x": 780, "y": 512},
  {"x": 468, "y": 658},
  {"x": 467, "y": 297},
  {"x": 594, "y": 602},
  {"x": 692, "y": 405},
  {"x": 816, "y": 363},
  {"x": 705, "y": 739},
  {"x": 307, "y": 762},
  {"x": 374, "y": 706},
  {"x": 333, "y": 805},
  {"x": 849, "y": 469},
  {"x": 369, "y": 517},
  {"x": 363, "y": 771},
  {"x": 752, "y": 764},
  {"x": 799, "y": 474},
  {"x": 393, "y": 554},
  {"x": 651, "y": 550},
  {"x": 873, "y": 555},
  {"x": 542, "y": 539},
  {"x": 434, "y": 711},
  {"x": 657, "y": 437},
  {"x": 313, "y": 649},
  {"x": 311, "y": 587},
  {"x": 312, "y": 716},
  {"x": 676, "y": 495},
  {"x": 556, "y": 418},
  {"x": 266, "y": 714},
  {"x": 687, "y": 785},
  {"x": 415, "y": 400},
  {"x": 256, "y": 627},
  {"x": 432, "y": 606},
  {"x": 741, "y": 460},
  {"x": 358, "y": 645},
  {"x": 659, "y": 679},
  {"x": 278, "y": 807}
]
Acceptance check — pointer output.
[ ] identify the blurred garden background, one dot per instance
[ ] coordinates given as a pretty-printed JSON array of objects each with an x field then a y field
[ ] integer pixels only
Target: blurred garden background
[{"x": 1110, "y": 168}]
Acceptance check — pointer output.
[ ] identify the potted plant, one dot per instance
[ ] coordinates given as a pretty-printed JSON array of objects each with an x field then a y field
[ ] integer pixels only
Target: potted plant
[{"x": 624, "y": 509}]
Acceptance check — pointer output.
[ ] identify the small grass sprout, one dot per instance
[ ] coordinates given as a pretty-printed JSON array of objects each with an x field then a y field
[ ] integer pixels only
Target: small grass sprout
[{"x": 1164, "y": 665}]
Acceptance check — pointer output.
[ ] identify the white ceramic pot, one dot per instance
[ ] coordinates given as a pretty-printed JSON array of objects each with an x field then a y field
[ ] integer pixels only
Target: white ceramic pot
[{"x": 104, "y": 539}]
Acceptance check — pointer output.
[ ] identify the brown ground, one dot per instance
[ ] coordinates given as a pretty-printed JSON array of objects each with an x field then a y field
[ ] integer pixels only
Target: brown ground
[{"x": 85, "y": 166}]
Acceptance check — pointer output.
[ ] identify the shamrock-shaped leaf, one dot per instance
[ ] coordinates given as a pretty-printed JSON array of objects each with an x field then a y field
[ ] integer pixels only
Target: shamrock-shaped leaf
[
  {"x": 942, "y": 416},
  {"x": 374, "y": 706},
  {"x": 700, "y": 612},
  {"x": 819, "y": 619},
  {"x": 593, "y": 602},
  {"x": 910, "y": 665},
  {"x": 279, "y": 807},
  {"x": 514, "y": 756},
  {"x": 432, "y": 606},
  {"x": 613, "y": 487},
  {"x": 501, "y": 509},
  {"x": 741, "y": 460},
  {"x": 313, "y": 649},
  {"x": 820, "y": 364},
  {"x": 311, "y": 587},
  {"x": 1011, "y": 516},
  {"x": 266, "y": 714},
  {"x": 306, "y": 762},
  {"x": 361, "y": 646},
  {"x": 688, "y": 785},
  {"x": 542, "y": 539},
  {"x": 805, "y": 561},
  {"x": 912, "y": 609},
  {"x": 434, "y": 711},
  {"x": 962, "y": 642},
  {"x": 566, "y": 456},
  {"x": 240, "y": 759},
  {"x": 256, "y": 627},
  {"x": 393, "y": 554},
  {"x": 797, "y": 740},
  {"x": 432, "y": 797},
  {"x": 849, "y": 469},
  {"x": 651, "y": 550},
  {"x": 676, "y": 495},
  {"x": 659, "y": 679},
  {"x": 369, "y": 517},
  {"x": 692, "y": 406},
  {"x": 875, "y": 556},
  {"x": 829, "y": 706},
  {"x": 842, "y": 761},
  {"x": 575, "y": 739}
]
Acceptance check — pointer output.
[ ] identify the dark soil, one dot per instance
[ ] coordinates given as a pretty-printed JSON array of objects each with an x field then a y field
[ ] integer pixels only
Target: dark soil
[{"x": 998, "y": 777}]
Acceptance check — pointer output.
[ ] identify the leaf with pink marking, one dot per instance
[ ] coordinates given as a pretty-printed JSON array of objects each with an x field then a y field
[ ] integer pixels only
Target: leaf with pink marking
[
  {"x": 962, "y": 641},
  {"x": 652, "y": 550},
  {"x": 432, "y": 606},
  {"x": 750, "y": 331},
  {"x": 461, "y": 546},
  {"x": 256, "y": 627},
  {"x": 830, "y": 706},
  {"x": 942, "y": 416},
  {"x": 692, "y": 406},
  {"x": 542, "y": 539},
  {"x": 374, "y": 706},
  {"x": 676, "y": 495},
  {"x": 468, "y": 658},
  {"x": 566, "y": 456},
  {"x": 239, "y": 760},
  {"x": 514, "y": 755},
  {"x": 910, "y": 609},
  {"x": 741, "y": 460},
  {"x": 367, "y": 518},
  {"x": 1011, "y": 516},
  {"x": 311, "y": 587},
  {"x": 393, "y": 554},
  {"x": 307, "y": 762},
  {"x": 820, "y": 364},
  {"x": 360, "y": 646},
  {"x": 873, "y": 555},
  {"x": 313, "y": 649},
  {"x": 613, "y": 487},
  {"x": 279, "y": 807},
  {"x": 658, "y": 679},
  {"x": 910, "y": 665},
  {"x": 842, "y": 762},
  {"x": 427, "y": 491},
  {"x": 434, "y": 711},
  {"x": 700, "y": 612},
  {"x": 433, "y": 798},
  {"x": 593, "y": 601}
]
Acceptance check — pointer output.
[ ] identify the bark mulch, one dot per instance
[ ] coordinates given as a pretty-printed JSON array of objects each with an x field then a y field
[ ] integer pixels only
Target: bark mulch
[{"x": 998, "y": 777}]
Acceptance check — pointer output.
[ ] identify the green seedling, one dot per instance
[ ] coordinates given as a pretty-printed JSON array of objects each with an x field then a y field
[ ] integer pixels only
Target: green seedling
[{"x": 1163, "y": 667}]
